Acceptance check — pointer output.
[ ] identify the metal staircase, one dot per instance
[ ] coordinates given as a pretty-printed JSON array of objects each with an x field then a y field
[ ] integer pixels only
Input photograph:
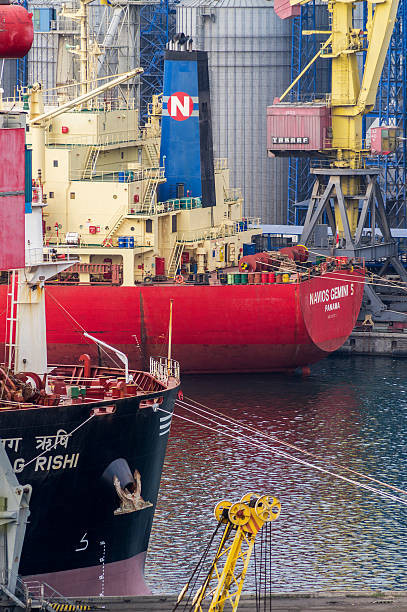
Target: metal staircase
[
  {"x": 153, "y": 152},
  {"x": 147, "y": 205},
  {"x": 175, "y": 258},
  {"x": 42, "y": 596},
  {"x": 91, "y": 160},
  {"x": 11, "y": 319},
  {"x": 115, "y": 222}
]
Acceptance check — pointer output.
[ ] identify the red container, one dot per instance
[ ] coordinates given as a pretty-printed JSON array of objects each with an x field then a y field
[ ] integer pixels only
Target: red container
[
  {"x": 284, "y": 9},
  {"x": 264, "y": 277},
  {"x": 160, "y": 266},
  {"x": 250, "y": 278},
  {"x": 12, "y": 185},
  {"x": 257, "y": 278},
  {"x": 272, "y": 277},
  {"x": 279, "y": 278},
  {"x": 16, "y": 32},
  {"x": 297, "y": 127},
  {"x": 384, "y": 139}
]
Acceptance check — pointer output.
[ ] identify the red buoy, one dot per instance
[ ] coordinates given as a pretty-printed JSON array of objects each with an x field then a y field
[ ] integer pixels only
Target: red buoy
[{"x": 16, "y": 31}]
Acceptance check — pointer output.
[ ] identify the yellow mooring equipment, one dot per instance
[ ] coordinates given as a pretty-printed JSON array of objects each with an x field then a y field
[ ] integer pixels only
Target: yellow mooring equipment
[{"x": 242, "y": 520}]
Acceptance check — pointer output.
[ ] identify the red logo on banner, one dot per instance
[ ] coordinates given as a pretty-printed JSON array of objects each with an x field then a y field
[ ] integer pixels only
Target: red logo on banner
[{"x": 180, "y": 106}]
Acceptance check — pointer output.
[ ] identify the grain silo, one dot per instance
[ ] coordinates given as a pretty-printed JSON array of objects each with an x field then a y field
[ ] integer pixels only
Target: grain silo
[{"x": 249, "y": 61}]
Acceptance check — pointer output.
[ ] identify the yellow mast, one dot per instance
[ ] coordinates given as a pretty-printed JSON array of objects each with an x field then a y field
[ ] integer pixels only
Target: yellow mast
[{"x": 82, "y": 15}]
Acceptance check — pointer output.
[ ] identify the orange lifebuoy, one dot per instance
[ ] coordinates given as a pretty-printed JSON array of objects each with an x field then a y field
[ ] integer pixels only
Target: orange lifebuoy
[{"x": 179, "y": 279}]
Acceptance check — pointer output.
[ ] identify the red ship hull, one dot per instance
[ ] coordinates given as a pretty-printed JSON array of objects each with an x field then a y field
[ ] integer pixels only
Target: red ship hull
[{"x": 216, "y": 328}]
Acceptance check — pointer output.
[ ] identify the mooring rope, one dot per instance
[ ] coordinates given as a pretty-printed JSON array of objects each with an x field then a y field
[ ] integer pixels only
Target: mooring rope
[{"x": 230, "y": 433}]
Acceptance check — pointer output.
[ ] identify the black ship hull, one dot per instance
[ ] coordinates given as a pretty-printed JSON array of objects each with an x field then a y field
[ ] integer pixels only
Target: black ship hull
[{"x": 81, "y": 539}]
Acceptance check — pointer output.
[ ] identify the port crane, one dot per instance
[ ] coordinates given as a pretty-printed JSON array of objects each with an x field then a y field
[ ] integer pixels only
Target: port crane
[
  {"x": 14, "y": 513},
  {"x": 242, "y": 522},
  {"x": 346, "y": 187}
]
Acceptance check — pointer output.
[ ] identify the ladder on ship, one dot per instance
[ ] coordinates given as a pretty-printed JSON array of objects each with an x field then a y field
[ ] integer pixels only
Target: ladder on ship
[
  {"x": 91, "y": 160},
  {"x": 11, "y": 320},
  {"x": 175, "y": 258},
  {"x": 149, "y": 193},
  {"x": 153, "y": 153},
  {"x": 115, "y": 222}
]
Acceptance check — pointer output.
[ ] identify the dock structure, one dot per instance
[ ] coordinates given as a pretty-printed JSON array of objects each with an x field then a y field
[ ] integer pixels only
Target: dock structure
[{"x": 301, "y": 601}]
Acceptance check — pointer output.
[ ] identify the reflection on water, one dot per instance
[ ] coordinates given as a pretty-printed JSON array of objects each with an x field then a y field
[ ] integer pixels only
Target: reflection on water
[{"x": 330, "y": 535}]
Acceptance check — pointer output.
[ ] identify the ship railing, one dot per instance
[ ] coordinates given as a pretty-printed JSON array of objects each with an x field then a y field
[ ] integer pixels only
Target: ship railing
[
  {"x": 163, "y": 368},
  {"x": 246, "y": 224},
  {"x": 66, "y": 93},
  {"x": 220, "y": 163},
  {"x": 171, "y": 205},
  {"x": 97, "y": 140},
  {"x": 122, "y": 176},
  {"x": 42, "y": 593},
  {"x": 36, "y": 256},
  {"x": 225, "y": 230},
  {"x": 233, "y": 194}
]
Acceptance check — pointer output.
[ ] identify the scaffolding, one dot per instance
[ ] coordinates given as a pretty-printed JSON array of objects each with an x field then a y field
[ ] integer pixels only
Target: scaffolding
[
  {"x": 391, "y": 110},
  {"x": 22, "y": 64},
  {"x": 157, "y": 26},
  {"x": 303, "y": 49},
  {"x": 114, "y": 35}
]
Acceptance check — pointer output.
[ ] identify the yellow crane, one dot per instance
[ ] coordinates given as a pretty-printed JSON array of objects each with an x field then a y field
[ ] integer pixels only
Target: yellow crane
[
  {"x": 345, "y": 178},
  {"x": 242, "y": 521}
]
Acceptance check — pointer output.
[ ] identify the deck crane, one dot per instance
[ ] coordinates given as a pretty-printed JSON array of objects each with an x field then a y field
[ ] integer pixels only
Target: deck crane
[
  {"x": 242, "y": 521},
  {"x": 39, "y": 119},
  {"x": 346, "y": 186}
]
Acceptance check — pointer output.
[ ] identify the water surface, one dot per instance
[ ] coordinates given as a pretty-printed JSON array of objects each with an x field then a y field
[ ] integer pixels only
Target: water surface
[{"x": 330, "y": 534}]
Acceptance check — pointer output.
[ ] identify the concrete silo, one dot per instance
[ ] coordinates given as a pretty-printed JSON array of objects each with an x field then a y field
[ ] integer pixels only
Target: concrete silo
[{"x": 249, "y": 62}]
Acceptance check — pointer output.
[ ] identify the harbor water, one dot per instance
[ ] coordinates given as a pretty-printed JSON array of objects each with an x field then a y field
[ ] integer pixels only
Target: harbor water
[{"x": 330, "y": 534}]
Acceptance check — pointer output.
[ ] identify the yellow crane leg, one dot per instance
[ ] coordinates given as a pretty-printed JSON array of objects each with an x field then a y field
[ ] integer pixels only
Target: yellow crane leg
[{"x": 222, "y": 592}]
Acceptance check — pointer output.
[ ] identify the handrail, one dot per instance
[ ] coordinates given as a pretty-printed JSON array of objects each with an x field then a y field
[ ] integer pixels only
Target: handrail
[
  {"x": 220, "y": 163},
  {"x": 93, "y": 139},
  {"x": 123, "y": 358},
  {"x": 233, "y": 194},
  {"x": 222, "y": 231},
  {"x": 120, "y": 176},
  {"x": 162, "y": 368}
]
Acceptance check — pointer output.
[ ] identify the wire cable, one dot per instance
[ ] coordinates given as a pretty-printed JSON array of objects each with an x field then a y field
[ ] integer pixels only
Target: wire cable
[
  {"x": 262, "y": 446},
  {"x": 218, "y": 414}
]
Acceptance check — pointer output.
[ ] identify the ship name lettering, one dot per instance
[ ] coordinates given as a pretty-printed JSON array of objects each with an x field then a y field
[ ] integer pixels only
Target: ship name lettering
[
  {"x": 11, "y": 443},
  {"x": 19, "y": 465},
  {"x": 340, "y": 291},
  {"x": 56, "y": 462},
  {"x": 319, "y": 296},
  {"x": 47, "y": 442},
  {"x": 324, "y": 295},
  {"x": 332, "y": 306}
]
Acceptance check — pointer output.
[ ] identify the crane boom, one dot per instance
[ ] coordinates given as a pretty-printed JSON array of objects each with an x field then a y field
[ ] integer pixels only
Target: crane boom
[
  {"x": 379, "y": 39},
  {"x": 44, "y": 117}
]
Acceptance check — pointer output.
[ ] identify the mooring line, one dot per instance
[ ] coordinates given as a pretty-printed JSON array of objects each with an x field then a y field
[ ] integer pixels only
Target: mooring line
[{"x": 259, "y": 445}]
